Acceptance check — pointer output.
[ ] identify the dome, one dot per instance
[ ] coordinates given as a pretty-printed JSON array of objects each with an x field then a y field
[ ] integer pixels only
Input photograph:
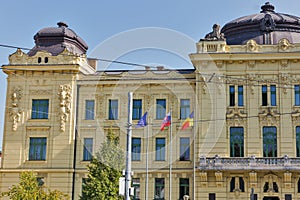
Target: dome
[
  {"x": 55, "y": 39},
  {"x": 266, "y": 27}
]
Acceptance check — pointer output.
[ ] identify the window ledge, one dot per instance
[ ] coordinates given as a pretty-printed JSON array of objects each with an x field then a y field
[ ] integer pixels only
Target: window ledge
[{"x": 35, "y": 161}]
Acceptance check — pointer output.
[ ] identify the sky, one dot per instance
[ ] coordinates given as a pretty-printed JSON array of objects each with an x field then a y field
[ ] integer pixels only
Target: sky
[{"x": 106, "y": 26}]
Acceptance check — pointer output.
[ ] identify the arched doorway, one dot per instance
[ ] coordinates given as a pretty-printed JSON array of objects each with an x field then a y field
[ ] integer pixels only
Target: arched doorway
[{"x": 271, "y": 198}]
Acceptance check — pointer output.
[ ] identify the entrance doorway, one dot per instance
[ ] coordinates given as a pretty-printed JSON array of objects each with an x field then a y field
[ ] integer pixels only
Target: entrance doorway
[{"x": 271, "y": 198}]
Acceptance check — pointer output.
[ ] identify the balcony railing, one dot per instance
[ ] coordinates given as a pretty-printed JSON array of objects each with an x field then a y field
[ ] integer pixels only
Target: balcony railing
[{"x": 250, "y": 163}]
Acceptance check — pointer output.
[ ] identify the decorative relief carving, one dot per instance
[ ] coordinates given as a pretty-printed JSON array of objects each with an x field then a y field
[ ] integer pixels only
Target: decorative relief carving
[
  {"x": 203, "y": 179},
  {"x": 236, "y": 116},
  {"x": 252, "y": 80},
  {"x": 252, "y": 46},
  {"x": 287, "y": 179},
  {"x": 296, "y": 116},
  {"x": 284, "y": 44},
  {"x": 284, "y": 63},
  {"x": 251, "y": 63},
  {"x": 284, "y": 77},
  {"x": 15, "y": 111},
  {"x": 219, "y": 179},
  {"x": 253, "y": 179},
  {"x": 65, "y": 98},
  {"x": 40, "y": 92},
  {"x": 269, "y": 116}
]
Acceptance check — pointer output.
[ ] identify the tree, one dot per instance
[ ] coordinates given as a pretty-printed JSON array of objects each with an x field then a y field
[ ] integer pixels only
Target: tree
[
  {"x": 105, "y": 170},
  {"x": 29, "y": 188}
]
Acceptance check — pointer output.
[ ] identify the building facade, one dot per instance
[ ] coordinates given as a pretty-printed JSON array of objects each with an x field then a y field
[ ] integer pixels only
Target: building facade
[{"x": 244, "y": 93}]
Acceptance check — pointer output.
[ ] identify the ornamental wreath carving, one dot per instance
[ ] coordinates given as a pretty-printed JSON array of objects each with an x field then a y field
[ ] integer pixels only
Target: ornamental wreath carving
[{"x": 65, "y": 99}]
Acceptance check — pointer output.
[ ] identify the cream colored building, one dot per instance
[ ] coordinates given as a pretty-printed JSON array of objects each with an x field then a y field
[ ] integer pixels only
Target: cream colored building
[{"x": 244, "y": 92}]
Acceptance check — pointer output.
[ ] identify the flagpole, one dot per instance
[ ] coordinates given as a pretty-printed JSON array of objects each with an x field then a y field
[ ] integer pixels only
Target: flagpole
[
  {"x": 170, "y": 159},
  {"x": 147, "y": 169}
]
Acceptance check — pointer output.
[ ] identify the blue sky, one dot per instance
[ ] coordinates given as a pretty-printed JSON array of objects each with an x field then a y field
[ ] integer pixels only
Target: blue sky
[{"x": 97, "y": 20}]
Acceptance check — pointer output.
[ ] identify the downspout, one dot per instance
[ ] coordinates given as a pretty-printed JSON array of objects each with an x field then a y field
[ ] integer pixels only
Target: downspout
[{"x": 75, "y": 142}]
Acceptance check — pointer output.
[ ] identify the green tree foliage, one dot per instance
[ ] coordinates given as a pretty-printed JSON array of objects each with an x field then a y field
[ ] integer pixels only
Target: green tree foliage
[
  {"x": 29, "y": 188},
  {"x": 105, "y": 170}
]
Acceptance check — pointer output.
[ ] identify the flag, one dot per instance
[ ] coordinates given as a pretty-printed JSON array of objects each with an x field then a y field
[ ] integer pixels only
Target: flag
[
  {"x": 143, "y": 121},
  {"x": 188, "y": 121},
  {"x": 166, "y": 122}
]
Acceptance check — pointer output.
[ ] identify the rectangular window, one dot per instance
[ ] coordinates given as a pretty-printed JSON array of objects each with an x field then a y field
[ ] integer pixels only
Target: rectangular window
[
  {"x": 184, "y": 149},
  {"x": 136, "y": 149},
  {"x": 184, "y": 187},
  {"x": 270, "y": 141},
  {"x": 298, "y": 141},
  {"x": 212, "y": 196},
  {"x": 89, "y": 109},
  {"x": 273, "y": 95},
  {"x": 288, "y": 197},
  {"x": 240, "y": 95},
  {"x": 264, "y": 95},
  {"x": 159, "y": 193},
  {"x": 184, "y": 108},
  {"x": 113, "y": 109},
  {"x": 236, "y": 142},
  {"x": 37, "y": 148},
  {"x": 87, "y": 149},
  {"x": 297, "y": 95},
  {"x": 40, "y": 109},
  {"x": 160, "y": 149},
  {"x": 137, "y": 109},
  {"x": 136, "y": 184},
  {"x": 160, "y": 108},
  {"x": 231, "y": 96}
]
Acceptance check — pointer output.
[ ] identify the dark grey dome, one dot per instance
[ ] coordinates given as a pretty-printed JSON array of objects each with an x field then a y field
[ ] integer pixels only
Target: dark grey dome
[
  {"x": 266, "y": 27},
  {"x": 55, "y": 39}
]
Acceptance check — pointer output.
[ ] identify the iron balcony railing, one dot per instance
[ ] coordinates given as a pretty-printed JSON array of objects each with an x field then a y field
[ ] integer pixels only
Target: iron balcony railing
[{"x": 250, "y": 163}]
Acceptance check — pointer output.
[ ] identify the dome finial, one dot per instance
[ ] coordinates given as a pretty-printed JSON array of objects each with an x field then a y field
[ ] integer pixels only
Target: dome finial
[
  {"x": 267, "y": 7},
  {"x": 62, "y": 24}
]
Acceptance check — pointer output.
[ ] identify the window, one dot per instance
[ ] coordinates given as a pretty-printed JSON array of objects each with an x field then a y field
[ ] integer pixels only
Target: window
[
  {"x": 159, "y": 188},
  {"x": 184, "y": 149},
  {"x": 37, "y": 148},
  {"x": 236, "y": 142},
  {"x": 212, "y": 196},
  {"x": 298, "y": 183},
  {"x": 232, "y": 184},
  {"x": 40, "y": 109},
  {"x": 87, "y": 149},
  {"x": 297, "y": 95},
  {"x": 89, "y": 109},
  {"x": 184, "y": 108},
  {"x": 273, "y": 95},
  {"x": 264, "y": 95},
  {"x": 231, "y": 96},
  {"x": 183, "y": 187},
  {"x": 136, "y": 149},
  {"x": 241, "y": 184},
  {"x": 298, "y": 141},
  {"x": 270, "y": 141},
  {"x": 288, "y": 197},
  {"x": 237, "y": 184},
  {"x": 137, "y": 188},
  {"x": 137, "y": 109},
  {"x": 113, "y": 109},
  {"x": 240, "y": 95},
  {"x": 160, "y": 108},
  {"x": 160, "y": 149}
]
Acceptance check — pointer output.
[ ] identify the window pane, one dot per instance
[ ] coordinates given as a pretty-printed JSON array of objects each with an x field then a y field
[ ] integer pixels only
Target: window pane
[
  {"x": 160, "y": 148},
  {"x": 89, "y": 109},
  {"x": 298, "y": 141},
  {"x": 184, "y": 149},
  {"x": 236, "y": 142},
  {"x": 37, "y": 149},
  {"x": 159, "y": 188},
  {"x": 231, "y": 96},
  {"x": 183, "y": 187},
  {"x": 273, "y": 95},
  {"x": 40, "y": 109},
  {"x": 270, "y": 141},
  {"x": 264, "y": 95},
  {"x": 113, "y": 109},
  {"x": 184, "y": 108},
  {"x": 137, "y": 109},
  {"x": 137, "y": 188},
  {"x": 297, "y": 95},
  {"x": 136, "y": 149},
  {"x": 88, "y": 149},
  {"x": 240, "y": 95},
  {"x": 160, "y": 108}
]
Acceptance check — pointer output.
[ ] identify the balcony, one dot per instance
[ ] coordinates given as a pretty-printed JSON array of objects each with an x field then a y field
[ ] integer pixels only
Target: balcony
[{"x": 250, "y": 163}]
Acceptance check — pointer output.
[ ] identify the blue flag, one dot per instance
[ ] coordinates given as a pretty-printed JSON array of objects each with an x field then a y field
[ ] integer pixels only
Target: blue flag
[{"x": 143, "y": 121}]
